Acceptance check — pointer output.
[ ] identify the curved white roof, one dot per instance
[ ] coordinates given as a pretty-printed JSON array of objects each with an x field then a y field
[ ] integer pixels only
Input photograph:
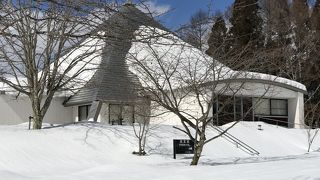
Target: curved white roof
[
  {"x": 165, "y": 52},
  {"x": 159, "y": 51}
]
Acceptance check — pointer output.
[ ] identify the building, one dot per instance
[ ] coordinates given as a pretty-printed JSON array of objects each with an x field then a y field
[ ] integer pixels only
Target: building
[{"x": 111, "y": 92}]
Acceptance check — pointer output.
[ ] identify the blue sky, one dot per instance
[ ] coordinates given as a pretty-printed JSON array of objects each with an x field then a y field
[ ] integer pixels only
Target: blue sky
[{"x": 181, "y": 10}]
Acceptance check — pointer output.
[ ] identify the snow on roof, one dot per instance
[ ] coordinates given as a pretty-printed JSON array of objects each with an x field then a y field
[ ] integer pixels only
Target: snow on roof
[
  {"x": 9, "y": 90},
  {"x": 87, "y": 58},
  {"x": 159, "y": 51},
  {"x": 165, "y": 54},
  {"x": 268, "y": 77}
]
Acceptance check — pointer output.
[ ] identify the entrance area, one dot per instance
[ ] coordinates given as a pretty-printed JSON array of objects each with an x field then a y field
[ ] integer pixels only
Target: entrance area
[
  {"x": 121, "y": 114},
  {"x": 232, "y": 108},
  {"x": 272, "y": 111}
]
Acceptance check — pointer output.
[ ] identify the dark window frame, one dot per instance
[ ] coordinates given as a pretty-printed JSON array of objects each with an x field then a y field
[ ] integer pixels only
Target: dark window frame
[
  {"x": 270, "y": 107},
  {"x": 87, "y": 106},
  {"x": 286, "y": 108},
  {"x": 112, "y": 104}
]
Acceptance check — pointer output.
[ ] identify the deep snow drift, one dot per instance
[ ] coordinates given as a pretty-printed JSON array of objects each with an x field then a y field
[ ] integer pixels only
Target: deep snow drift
[{"x": 95, "y": 151}]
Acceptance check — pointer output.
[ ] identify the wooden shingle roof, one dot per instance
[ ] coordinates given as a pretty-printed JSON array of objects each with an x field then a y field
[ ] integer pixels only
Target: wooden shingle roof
[{"x": 112, "y": 80}]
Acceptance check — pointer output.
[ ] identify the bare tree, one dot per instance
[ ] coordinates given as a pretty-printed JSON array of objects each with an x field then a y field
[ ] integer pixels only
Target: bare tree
[
  {"x": 184, "y": 82},
  {"x": 312, "y": 118},
  {"x": 40, "y": 43},
  {"x": 141, "y": 125},
  {"x": 141, "y": 131},
  {"x": 197, "y": 30}
]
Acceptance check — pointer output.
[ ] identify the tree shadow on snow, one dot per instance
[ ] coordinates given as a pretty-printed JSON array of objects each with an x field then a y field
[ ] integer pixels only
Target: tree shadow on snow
[
  {"x": 227, "y": 161},
  {"x": 99, "y": 132}
]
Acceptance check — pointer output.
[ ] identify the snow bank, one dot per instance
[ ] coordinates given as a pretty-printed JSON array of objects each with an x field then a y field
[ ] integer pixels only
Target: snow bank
[{"x": 94, "y": 151}]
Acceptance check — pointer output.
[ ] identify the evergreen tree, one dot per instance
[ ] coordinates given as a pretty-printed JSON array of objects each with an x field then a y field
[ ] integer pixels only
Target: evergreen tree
[
  {"x": 300, "y": 38},
  {"x": 277, "y": 29},
  {"x": 217, "y": 40},
  {"x": 315, "y": 17},
  {"x": 246, "y": 23},
  {"x": 312, "y": 67},
  {"x": 300, "y": 11},
  {"x": 278, "y": 21},
  {"x": 300, "y": 17},
  {"x": 245, "y": 35}
]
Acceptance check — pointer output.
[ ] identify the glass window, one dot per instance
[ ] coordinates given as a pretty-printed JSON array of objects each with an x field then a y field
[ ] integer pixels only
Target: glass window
[
  {"x": 247, "y": 108},
  {"x": 226, "y": 109},
  {"x": 261, "y": 106},
  {"x": 279, "y": 107},
  {"x": 238, "y": 108},
  {"x": 83, "y": 112},
  {"x": 120, "y": 113},
  {"x": 115, "y": 113}
]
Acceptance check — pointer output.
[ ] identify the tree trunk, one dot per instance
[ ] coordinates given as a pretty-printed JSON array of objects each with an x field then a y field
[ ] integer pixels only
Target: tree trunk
[
  {"x": 197, "y": 151},
  {"x": 140, "y": 147},
  {"x": 38, "y": 111},
  {"x": 36, "y": 108},
  {"x": 37, "y": 121}
]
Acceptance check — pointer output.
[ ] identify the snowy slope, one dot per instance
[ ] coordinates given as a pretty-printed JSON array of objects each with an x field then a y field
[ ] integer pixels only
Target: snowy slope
[{"x": 93, "y": 151}]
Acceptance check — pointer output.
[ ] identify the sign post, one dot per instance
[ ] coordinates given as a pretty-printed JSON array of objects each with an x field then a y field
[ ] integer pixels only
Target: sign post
[
  {"x": 30, "y": 118},
  {"x": 182, "y": 146}
]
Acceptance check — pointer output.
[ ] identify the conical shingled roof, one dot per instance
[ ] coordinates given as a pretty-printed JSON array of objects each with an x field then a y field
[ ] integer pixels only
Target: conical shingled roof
[{"x": 113, "y": 81}]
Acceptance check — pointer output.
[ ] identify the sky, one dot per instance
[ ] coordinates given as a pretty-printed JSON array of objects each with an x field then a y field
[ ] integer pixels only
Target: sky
[{"x": 180, "y": 11}]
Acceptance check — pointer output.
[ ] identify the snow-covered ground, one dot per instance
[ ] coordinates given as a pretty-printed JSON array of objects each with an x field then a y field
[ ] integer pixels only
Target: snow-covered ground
[{"x": 94, "y": 151}]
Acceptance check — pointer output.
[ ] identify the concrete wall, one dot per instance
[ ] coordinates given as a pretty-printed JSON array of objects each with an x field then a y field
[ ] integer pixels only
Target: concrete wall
[
  {"x": 75, "y": 114},
  {"x": 189, "y": 107},
  {"x": 296, "y": 111},
  {"x": 16, "y": 111},
  {"x": 104, "y": 114}
]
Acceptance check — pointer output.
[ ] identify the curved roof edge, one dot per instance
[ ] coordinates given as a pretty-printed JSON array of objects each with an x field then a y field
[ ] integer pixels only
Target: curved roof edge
[{"x": 268, "y": 81}]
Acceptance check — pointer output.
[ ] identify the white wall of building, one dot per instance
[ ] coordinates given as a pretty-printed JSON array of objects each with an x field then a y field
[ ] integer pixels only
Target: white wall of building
[
  {"x": 17, "y": 110},
  {"x": 104, "y": 114},
  {"x": 188, "y": 106},
  {"x": 249, "y": 89},
  {"x": 296, "y": 111},
  {"x": 75, "y": 114}
]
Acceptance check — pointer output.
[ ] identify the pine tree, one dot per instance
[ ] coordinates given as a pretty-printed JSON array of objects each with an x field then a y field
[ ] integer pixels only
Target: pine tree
[
  {"x": 277, "y": 29},
  {"x": 278, "y": 21},
  {"x": 217, "y": 40},
  {"x": 315, "y": 17},
  {"x": 246, "y": 23},
  {"x": 300, "y": 11},
  {"x": 300, "y": 40},
  {"x": 245, "y": 35},
  {"x": 312, "y": 67},
  {"x": 300, "y": 17}
]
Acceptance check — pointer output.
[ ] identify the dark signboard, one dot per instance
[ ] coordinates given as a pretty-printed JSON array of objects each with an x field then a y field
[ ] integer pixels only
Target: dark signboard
[{"x": 182, "y": 146}]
